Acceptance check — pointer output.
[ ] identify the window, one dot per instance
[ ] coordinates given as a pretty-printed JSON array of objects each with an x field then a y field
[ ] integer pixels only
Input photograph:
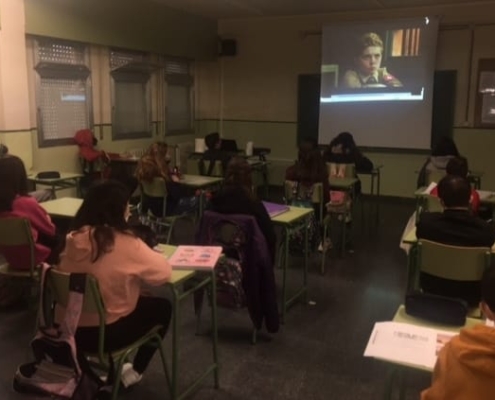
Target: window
[
  {"x": 131, "y": 94},
  {"x": 485, "y": 96},
  {"x": 405, "y": 42},
  {"x": 179, "y": 114},
  {"x": 62, "y": 90}
]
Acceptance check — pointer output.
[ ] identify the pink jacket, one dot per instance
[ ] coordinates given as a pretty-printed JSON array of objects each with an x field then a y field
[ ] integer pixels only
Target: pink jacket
[
  {"x": 119, "y": 273},
  {"x": 28, "y": 207}
]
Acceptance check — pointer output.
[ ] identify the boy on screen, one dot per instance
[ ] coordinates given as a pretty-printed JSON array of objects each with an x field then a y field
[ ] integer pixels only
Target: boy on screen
[{"x": 368, "y": 72}]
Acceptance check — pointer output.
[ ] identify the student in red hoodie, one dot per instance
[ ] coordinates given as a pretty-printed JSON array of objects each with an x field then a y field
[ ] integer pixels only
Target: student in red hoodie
[
  {"x": 465, "y": 368},
  {"x": 16, "y": 202}
]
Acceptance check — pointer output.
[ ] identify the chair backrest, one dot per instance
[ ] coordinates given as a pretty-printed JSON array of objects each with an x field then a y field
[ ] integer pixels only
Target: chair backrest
[
  {"x": 17, "y": 232},
  {"x": 58, "y": 283},
  {"x": 432, "y": 204},
  {"x": 204, "y": 165},
  {"x": 342, "y": 170},
  {"x": 316, "y": 188},
  {"x": 435, "y": 175},
  {"x": 155, "y": 188},
  {"x": 452, "y": 262}
]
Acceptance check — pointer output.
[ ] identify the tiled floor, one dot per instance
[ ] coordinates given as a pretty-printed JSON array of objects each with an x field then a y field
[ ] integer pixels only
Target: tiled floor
[{"x": 316, "y": 355}]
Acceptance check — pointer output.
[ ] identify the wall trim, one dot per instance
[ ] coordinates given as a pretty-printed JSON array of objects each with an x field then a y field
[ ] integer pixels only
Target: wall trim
[
  {"x": 247, "y": 120},
  {"x": 17, "y": 130}
]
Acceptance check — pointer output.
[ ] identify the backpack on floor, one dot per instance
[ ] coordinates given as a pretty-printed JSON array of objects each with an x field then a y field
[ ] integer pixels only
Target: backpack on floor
[{"x": 57, "y": 371}]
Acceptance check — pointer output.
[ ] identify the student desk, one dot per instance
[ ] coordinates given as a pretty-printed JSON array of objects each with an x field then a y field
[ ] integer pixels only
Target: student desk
[
  {"x": 486, "y": 196},
  {"x": 399, "y": 367},
  {"x": 66, "y": 180},
  {"x": 202, "y": 183},
  {"x": 179, "y": 277},
  {"x": 65, "y": 207},
  {"x": 292, "y": 221}
]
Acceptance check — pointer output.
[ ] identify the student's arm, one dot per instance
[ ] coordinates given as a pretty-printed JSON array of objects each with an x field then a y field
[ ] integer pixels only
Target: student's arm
[
  {"x": 151, "y": 266},
  {"x": 439, "y": 381},
  {"x": 38, "y": 217}
]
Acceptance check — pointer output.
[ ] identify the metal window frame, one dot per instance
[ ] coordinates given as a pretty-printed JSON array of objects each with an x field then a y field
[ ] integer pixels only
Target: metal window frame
[{"x": 52, "y": 70}]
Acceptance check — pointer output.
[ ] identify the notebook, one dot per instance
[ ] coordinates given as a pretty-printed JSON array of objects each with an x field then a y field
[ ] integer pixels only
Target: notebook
[
  {"x": 195, "y": 257},
  {"x": 274, "y": 209}
]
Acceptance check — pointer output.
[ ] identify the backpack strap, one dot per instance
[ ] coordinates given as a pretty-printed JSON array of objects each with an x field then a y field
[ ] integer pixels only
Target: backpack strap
[
  {"x": 77, "y": 288},
  {"x": 44, "y": 268}
]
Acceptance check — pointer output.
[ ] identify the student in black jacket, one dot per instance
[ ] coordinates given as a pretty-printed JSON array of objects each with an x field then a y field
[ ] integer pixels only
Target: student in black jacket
[
  {"x": 237, "y": 197},
  {"x": 455, "y": 226}
]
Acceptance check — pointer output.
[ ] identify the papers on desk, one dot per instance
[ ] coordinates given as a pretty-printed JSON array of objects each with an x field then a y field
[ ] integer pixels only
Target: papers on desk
[
  {"x": 430, "y": 187},
  {"x": 274, "y": 209},
  {"x": 195, "y": 257},
  {"x": 406, "y": 344},
  {"x": 485, "y": 194}
]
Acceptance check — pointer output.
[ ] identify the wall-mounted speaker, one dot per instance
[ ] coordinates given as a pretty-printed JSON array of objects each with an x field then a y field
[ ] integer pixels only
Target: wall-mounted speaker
[{"x": 228, "y": 47}]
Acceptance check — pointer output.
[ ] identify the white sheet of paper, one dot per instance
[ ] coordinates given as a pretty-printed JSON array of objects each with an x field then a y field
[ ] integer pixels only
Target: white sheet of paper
[
  {"x": 485, "y": 194},
  {"x": 430, "y": 187},
  {"x": 405, "y": 343}
]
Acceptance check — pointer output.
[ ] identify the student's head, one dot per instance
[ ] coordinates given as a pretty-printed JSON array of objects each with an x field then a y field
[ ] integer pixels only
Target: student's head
[
  {"x": 445, "y": 147},
  {"x": 454, "y": 191},
  {"x": 458, "y": 166},
  {"x": 343, "y": 143},
  {"x": 105, "y": 203},
  {"x": 239, "y": 173},
  {"x": 488, "y": 293},
  {"x": 307, "y": 144},
  {"x": 311, "y": 166},
  {"x": 369, "y": 53},
  {"x": 13, "y": 181},
  {"x": 158, "y": 150},
  {"x": 212, "y": 141},
  {"x": 106, "y": 209},
  {"x": 154, "y": 163}
]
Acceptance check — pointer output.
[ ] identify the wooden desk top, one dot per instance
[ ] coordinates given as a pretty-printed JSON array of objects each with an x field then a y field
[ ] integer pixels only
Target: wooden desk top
[
  {"x": 66, "y": 207},
  {"x": 199, "y": 181},
  {"x": 291, "y": 216},
  {"x": 63, "y": 176}
]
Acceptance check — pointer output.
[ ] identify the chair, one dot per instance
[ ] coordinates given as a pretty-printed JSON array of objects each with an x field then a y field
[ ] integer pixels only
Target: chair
[
  {"x": 316, "y": 197},
  {"x": 157, "y": 188},
  {"x": 240, "y": 238},
  {"x": 449, "y": 262},
  {"x": 203, "y": 166},
  {"x": 435, "y": 176},
  {"x": 58, "y": 292},
  {"x": 343, "y": 170},
  {"x": 17, "y": 232}
]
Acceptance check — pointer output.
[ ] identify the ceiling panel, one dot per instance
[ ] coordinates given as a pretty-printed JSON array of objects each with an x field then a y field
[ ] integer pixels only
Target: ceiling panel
[{"x": 224, "y": 9}]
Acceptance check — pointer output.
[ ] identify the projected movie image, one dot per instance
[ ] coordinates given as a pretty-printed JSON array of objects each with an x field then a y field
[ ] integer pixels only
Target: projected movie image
[
  {"x": 377, "y": 82},
  {"x": 373, "y": 63}
]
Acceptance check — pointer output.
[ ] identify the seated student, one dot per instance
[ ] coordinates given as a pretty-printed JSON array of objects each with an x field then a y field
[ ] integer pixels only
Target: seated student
[
  {"x": 213, "y": 154},
  {"x": 458, "y": 166},
  {"x": 442, "y": 153},
  {"x": 154, "y": 164},
  {"x": 309, "y": 169},
  {"x": 465, "y": 367},
  {"x": 456, "y": 226},
  {"x": 236, "y": 197},
  {"x": 41, "y": 194},
  {"x": 103, "y": 245},
  {"x": 16, "y": 202},
  {"x": 343, "y": 150}
]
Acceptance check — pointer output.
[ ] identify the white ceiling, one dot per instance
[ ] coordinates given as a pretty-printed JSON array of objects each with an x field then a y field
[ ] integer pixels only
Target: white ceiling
[{"x": 223, "y": 9}]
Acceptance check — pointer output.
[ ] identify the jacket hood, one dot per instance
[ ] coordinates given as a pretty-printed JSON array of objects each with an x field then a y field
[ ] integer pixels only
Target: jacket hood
[
  {"x": 475, "y": 349},
  {"x": 440, "y": 162},
  {"x": 79, "y": 245}
]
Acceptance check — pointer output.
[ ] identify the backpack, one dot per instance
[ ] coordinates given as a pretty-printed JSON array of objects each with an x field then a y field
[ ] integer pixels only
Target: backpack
[
  {"x": 57, "y": 371},
  {"x": 302, "y": 197},
  {"x": 228, "y": 271}
]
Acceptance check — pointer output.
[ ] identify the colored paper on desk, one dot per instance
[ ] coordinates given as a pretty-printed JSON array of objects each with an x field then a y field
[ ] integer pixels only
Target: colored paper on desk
[
  {"x": 274, "y": 209},
  {"x": 485, "y": 194},
  {"x": 195, "y": 257},
  {"x": 406, "y": 343}
]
